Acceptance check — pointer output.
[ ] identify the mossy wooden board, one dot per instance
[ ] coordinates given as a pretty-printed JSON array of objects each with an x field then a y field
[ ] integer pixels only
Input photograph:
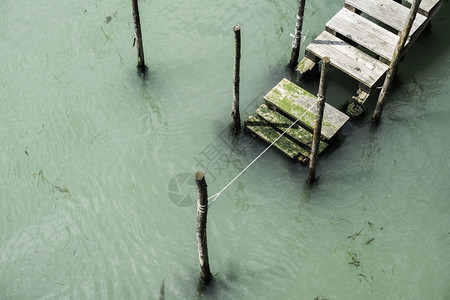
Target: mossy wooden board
[
  {"x": 263, "y": 130},
  {"x": 281, "y": 123},
  {"x": 295, "y": 102},
  {"x": 305, "y": 65}
]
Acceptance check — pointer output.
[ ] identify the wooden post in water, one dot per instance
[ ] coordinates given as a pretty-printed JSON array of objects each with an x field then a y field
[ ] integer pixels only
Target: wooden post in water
[
  {"x": 298, "y": 34},
  {"x": 137, "y": 28},
  {"x": 395, "y": 60},
  {"x": 318, "y": 125},
  {"x": 236, "y": 70},
  {"x": 202, "y": 210}
]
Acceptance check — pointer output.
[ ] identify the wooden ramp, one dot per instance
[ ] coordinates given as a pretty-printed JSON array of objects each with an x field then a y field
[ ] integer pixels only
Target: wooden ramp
[
  {"x": 285, "y": 104},
  {"x": 361, "y": 38}
]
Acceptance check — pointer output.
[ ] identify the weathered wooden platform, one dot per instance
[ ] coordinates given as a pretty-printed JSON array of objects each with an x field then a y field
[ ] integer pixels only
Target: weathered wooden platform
[
  {"x": 388, "y": 12},
  {"x": 297, "y": 133},
  {"x": 295, "y": 102},
  {"x": 362, "y": 25},
  {"x": 267, "y": 133},
  {"x": 285, "y": 104},
  {"x": 352, "y": 61},
  {"x": 360, "y": 40},
  {"x": 350, "y": 26}
]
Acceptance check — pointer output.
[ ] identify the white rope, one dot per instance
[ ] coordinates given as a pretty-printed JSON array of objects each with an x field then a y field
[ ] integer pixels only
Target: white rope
[
  {"x": 202, "y": 208},
  {"x": 303, "y": 36},
  {"x": 216, "y": 195}
]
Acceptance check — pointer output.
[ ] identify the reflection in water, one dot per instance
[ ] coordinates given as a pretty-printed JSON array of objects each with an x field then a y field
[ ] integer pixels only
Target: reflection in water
[
  {"x": 154, "y": 121},
  {"x": 306, "y": 196},
  {"x": 369, "y": 154}
]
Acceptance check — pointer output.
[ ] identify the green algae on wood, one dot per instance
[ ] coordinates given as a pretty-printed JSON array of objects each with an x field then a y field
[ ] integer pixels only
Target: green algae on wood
[
  {"x": 305, "y": 65},
  {"x": 354, "y": 109},
  {"x": 295, "y": 102},
  {"x": 281, "y": 123},
  {"x": 263, "y": 130}
]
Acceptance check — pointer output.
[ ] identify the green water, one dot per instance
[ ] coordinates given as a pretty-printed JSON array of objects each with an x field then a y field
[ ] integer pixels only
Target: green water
[{"x": 90, "y": 155}]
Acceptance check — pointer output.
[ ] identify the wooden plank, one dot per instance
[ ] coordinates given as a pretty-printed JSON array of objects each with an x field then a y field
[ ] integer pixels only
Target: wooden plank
[
  {"x": 295, "y": 102},
  {"x": 305, "y": 65},
  {"x": 364, "y": 32},
  {"x": 352, "y": 61},
  {"x": 361, "y": 96},
  {"x": 263, "y": 130},
  {"x": 281, "y": 123},
  {"x": 427, "y": 7},
  {"x": 388, "y": 12}
]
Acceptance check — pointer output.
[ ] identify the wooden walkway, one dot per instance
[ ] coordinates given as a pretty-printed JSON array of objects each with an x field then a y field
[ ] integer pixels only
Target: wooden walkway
[
  {"x": 360, "y": 41},
  {"x": 361, "y": 38}
]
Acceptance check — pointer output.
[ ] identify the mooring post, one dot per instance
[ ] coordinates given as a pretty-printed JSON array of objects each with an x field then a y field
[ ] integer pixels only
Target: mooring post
[
  {"x": 318, "y": 125},
  {"x": 137, "y": 28},
  {"x": 236, "y": 70},
  {"x": 298, "y": 34},
  {"x": 395, "y": 60},
  {"x": 202, "y": 210}
]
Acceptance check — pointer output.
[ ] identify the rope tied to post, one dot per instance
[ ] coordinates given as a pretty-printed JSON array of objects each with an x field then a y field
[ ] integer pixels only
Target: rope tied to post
[
  {"x": 301, "y": 36},
  {"x": 202, "y": 208},
  {"x": 298, "y": 32}
]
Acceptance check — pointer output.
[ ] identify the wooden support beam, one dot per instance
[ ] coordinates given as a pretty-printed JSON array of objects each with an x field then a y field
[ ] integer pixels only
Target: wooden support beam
[
  {"x": 202, "y": 211},
  {"x": 236, "y": 126},
  {"x": 298, "y": 34},
  {"x": 319, "y": 118},
  {"x": 137, "y": 28},
  {"x": 395, "y": 60}
]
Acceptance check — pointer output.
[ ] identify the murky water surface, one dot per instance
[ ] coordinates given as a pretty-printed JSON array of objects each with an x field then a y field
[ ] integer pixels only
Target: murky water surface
[{"x": 96, "y": 164}]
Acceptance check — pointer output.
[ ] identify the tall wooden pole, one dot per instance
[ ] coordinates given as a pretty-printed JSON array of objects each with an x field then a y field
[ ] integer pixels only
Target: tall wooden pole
[
  {"x": 202, "y": 210},
  {"x": 298, "y": 34},
  {"x": 137, "y": 28},
  {"x": 319, "y": 118},
  {"x": 236, "y": 78},
  {"x": 395, "y": 60}
]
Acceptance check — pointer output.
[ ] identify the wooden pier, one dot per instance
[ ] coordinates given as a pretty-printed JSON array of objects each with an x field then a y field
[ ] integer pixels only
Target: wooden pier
[
  {"x": 363, "y": 47},
  {"x": 360, "y": 41}
]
